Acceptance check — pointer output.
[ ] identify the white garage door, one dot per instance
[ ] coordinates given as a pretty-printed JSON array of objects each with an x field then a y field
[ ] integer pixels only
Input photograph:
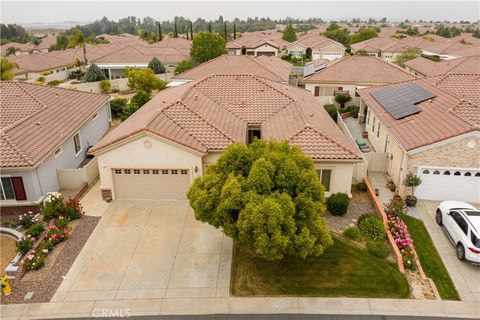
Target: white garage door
[
  {"x": 449, "y": 184},
  {"x": 155, "y": 184}
]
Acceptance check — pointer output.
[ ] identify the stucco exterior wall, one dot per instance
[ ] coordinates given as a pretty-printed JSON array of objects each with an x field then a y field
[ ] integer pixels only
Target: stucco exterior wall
[
  {"x": 326, "y": 92},
  {"x": 149, "y": 152},
  {"x": 341, "y": 177},
  {"x": 265, "y": 48}
]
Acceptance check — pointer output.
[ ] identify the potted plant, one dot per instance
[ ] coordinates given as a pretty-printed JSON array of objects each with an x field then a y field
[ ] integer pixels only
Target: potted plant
[
  {"x": 412, "y": 181},
  {"x": 391, "y": 185},
  {"x": 342, "y": 99}
]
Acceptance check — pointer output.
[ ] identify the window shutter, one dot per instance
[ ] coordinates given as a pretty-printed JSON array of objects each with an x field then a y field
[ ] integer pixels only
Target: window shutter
[
  {"x": 317, "y": 91},
  {"x": 18, "y": 188}
]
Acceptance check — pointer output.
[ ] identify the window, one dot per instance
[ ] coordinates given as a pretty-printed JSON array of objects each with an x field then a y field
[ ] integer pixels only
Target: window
[
  {"x": 462, "y": 224},
  {"x": 184, "y": 171},
  {"x": 57, "y": 152},
  {"x": 457, "y": 173},
  {"x": 477, "y": 174},
  {"x": 77, "y": 143},
  {"x": 146, "y": 171},
  {"x": 118, "y": 171},
  {"x": 373, "y": 125},
  {"x": 446, "y": 173},
  {"x": 324, "y": 175},
  {"x": 95, "y": 116},
  {"x": 174, "y": 171},
  {"x": 136, "y": 171},
  {"x": 127, "y": 171},
  {"x": 317, "y": 91},
  {"x": 155, "y": 171},
  {"x": 378, "y": 130},
  {"x": 436, "y": 172},
  {"x": 11, "y": 188},
  {"x": 253, "y": 132},
  {"x": 467, "y": 174},
  {"x": 475, "y": 240},
  {"x": 164, "y": 171},
  {"x": 426, "y": 172},
  {"x": 368, "y": 116}
]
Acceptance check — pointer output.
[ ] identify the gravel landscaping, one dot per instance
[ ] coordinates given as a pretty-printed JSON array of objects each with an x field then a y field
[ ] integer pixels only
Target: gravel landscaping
[
  {"x": 359, "y": 204},
  {"x": 44, "y": 282}
]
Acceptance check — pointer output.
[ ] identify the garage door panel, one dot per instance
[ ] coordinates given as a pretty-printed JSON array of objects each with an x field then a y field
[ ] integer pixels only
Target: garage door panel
[
  {"x": 146, "y": 184},
  {"x": 449, "y": 184}
]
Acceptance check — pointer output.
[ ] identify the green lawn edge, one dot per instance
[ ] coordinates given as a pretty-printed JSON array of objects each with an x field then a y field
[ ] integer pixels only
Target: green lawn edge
[
  {"x": 430, "y": 259},
  {"x": 259, "y": 277}
]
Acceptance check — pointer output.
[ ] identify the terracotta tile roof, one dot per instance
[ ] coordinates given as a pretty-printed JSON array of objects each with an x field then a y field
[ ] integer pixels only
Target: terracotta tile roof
[
  {"x": 36, "y": 119},
  {"x": 441, "y": 118},
  {"x": 315, "y": 41},
  {"x": 252, "y": 40},
  {"x": 465, "y": 86},
  {"x": 143, "y": 54},
  {"x": 210, "y": 113},
  {"x": 360, "y": 69},
  {"x": 24, "y": 47},
  {"x": 271, "y": 68},
  {"x": 427, "y": 67}
]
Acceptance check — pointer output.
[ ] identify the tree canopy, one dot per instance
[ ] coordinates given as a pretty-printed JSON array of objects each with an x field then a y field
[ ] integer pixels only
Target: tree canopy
[
  {"x": 363, "y": 34},
  {"x": 94, "y": 73},
  {"x": 289, "y": 34},
  {"x": 408, "y": 54},
  {"x": 156, "y": 66},
  {"x": 6, "y": 69},
  {"x": 335, "y": 32},
  {"x": 266, "y": 195},
  {"x": 206, "y": 46},
  {"x": 144, "y": 79},
  {"x": 184, "y": 66}
]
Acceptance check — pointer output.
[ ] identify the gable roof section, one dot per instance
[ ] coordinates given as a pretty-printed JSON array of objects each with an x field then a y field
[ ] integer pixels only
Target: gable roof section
[
  {"x": 360, "y": 69},
  {"x": 464, "y": 86},
  {"x": 315, "y": 41},
  {"x": 271, "y": 68},
  {"x": 36, "y": 119},
  {"x": 427, "y": 67},
  {"x": 210, "y": 113}
]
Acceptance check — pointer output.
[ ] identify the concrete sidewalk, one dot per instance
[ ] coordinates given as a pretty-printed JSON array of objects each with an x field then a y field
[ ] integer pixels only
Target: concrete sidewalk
[{"x": 286, "y": 305}]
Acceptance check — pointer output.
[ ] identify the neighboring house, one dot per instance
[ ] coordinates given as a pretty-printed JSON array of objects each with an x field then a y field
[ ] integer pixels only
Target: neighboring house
[
  {"x": 314, "y": 47},
  {"x": 437, "y": 137},
  {"x": 183, "y": 129},
  {"x": 255, "y": 44},
  {"x": 350, "y": 73},
  {"x": 43, "y": 130},
  {"x": 427, "y": 68},
  {"x": 23, "y": 49},
  {"x": 271, "y": 68},
  {"x": 385, "y": 48}
]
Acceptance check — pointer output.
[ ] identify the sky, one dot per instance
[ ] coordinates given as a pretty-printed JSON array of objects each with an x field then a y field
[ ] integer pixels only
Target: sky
[{"x": 25, "y": 12}]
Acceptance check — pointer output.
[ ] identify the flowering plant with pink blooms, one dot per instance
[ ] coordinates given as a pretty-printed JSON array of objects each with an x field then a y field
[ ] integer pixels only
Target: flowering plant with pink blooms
[{"x": 57, "y": 234}]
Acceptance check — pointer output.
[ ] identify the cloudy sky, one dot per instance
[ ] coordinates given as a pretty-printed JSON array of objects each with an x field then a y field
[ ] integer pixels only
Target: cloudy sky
[{"x": 25, "y": 12}]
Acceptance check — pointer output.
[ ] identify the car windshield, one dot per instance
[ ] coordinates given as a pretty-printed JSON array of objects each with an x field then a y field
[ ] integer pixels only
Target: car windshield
[
  {"x": 472, "y": 213},
  {"x": 475, "y": 240}
]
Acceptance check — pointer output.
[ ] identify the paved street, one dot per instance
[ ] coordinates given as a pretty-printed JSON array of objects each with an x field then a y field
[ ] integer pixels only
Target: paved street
[
  {"x": 465, "y": 276},
  {"x": 148, "y": 249}
]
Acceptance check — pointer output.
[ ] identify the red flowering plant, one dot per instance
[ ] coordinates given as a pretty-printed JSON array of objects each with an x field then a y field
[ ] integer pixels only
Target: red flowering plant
[
  {"x": 74, "y": 209},
  {"x": 400, "y": 234},
  {"x": 57, "y": 234}
]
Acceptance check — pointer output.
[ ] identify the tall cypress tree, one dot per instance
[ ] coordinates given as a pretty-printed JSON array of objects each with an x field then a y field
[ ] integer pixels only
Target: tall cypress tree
[
  {"x": 186, "y": 31},
  {"x": 225, "y": 31},
  {"x": 159, "y": 31},
  {"x": 175, "y": 34},
  {"x": 191, "y": 30},
  {"x": 234, "y": 31},
  {"x": 209, "y": 27}
]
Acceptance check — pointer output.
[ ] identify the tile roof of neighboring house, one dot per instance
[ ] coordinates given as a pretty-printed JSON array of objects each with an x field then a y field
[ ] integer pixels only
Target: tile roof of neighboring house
[
  {"x": 271, "y": 68},
  {"x": 143, "y": 54},
  {"x": 45, "y": 43},
  {"x": 39, "y": 62},
  {"x": 465, "y": 86},
  {"x": 252, "y": 40},
  {"x": 36, "y": 119},
  {"x": 441, "y": 118},
  {"x": 210, "y": 113},
  {"x": 360, "y": 69},
  {"x": 315, "y": 41},
  {"x": 427, "y": 67},
  {"x": 378, "y": 44}
]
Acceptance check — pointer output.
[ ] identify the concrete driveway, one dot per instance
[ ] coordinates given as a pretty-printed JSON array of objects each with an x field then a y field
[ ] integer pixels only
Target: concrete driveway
[
  {"x": 149, "y": 249},
  {"x": 465, "y": 275}
]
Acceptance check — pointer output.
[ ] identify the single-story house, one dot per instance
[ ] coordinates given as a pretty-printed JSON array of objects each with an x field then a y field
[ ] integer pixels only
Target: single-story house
[
  {"x": 44, "y": 130},
  {"x": 315, "y": 47},
  {"x": 183, "y": 129},
  {"x": 271, "y": 68},
  {"x": 350, "y": 73},
  {"x": 425, "y": 127},
  {"x": 427, "y": 68},
  {"x": 22, "y": 49},
  {"x": 254, "y": 44}
]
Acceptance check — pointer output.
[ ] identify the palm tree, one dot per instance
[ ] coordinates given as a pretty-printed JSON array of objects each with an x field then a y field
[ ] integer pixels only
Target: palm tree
[
  {"x": 77, "y": 38},
  {"x": 6, "y": 69}
]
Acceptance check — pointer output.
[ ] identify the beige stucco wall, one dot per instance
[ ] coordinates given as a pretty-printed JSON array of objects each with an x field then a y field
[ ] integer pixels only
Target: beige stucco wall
[
  {"x": 341, "y": 178},
  {"x": 326, "y": 92},
  {"x": 137, "y": 154}
]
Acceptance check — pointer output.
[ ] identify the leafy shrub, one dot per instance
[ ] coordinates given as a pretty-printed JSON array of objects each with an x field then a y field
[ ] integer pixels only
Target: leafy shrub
[
  {"x": 53, "y": 207},
  {"x": 362, "y": 186},
  {"x": 140, "y": 98},
  {"x": 54, "y": 83},
  {"x": 408, "y": 258},
  {"x": 144, "y": 80},
  {"x": 27, "y": 219},
  {"x": 184, "y": 66},
  {"x": 93, "y": 74},
  {"x": 46, "y": 246},
  {"x": 35, "y": 230},
  {"x": 378, "y": 248},
  {"x": 372, "y": 228},
  {"x": 352, "y": 233},
  {"x": 286, "y": 57},
  {"x": 35, "y": 261},
  {"x": 105, "y": 86},
  {"x": 24, "y": 245},
  {"x": 40, "y": 80},
  {"x": 61, "y": 221},
  {"x": 117, "y": 106},
  {"x": 365, "y": 215},
  {"x": 74, "y": 209},
  {"x": 57, "y": 234},
  {"x": 156, "y": 66},
  {"x": 338, "y": 203},
  {"x": 76, "y": 74},
  {"x": 332, "y": 111}
]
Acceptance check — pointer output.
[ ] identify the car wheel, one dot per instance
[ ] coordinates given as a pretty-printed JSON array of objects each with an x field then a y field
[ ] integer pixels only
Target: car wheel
[
  {"x": 438, "y": 217},
  {"x": 460, "y": 252}
]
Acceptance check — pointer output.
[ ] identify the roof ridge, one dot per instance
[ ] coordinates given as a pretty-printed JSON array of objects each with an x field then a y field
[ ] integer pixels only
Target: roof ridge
[
  {"x": 255, "y": 59},
  {"x": 199, "y": 65},
  {"x": 18, "y": 150}
]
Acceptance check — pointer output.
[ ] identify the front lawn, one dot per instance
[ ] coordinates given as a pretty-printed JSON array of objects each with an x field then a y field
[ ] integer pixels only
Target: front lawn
[
  {"x": 342, "y": 271},
  {"x": 430, "y": 259}
]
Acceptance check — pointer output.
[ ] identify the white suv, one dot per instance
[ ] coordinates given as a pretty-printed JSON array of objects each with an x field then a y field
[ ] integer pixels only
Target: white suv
[{"x": 461, "y": 222}]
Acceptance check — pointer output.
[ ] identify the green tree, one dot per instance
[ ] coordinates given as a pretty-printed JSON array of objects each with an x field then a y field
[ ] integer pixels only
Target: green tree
[
  {"x": 363, "y": 34},
  {"x": 144, "y": 79},
  {"x": 342, "y": 99},
  {"x": 94, "y": 73},
  {"x": 156, "y": 66},
  {"x": 407, "y": 55},
  {"x": 184, "y": 66},
  {"x": 118, "y": 105},
  {"x": 140, "y": 98},
  {"x": 206, "y": 46},
  {"x": 266, "y": 195},
  {"x": 335, "y": 32},
  {"x": 77, "y": 38},
  {"x": 105, "y": 86},
  {"x": 62, "y": 42},
  {"x": 234, "y": 31},
  {"x": 6, "y": 69},
  {"x": 289, "y": 34},
  {"x": 36, "y": 41},
  {"x": 160, "y": 37}
]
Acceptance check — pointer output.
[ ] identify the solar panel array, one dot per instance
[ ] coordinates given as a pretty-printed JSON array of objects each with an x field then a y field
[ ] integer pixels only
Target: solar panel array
[{"x": 401, "y": 102}]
